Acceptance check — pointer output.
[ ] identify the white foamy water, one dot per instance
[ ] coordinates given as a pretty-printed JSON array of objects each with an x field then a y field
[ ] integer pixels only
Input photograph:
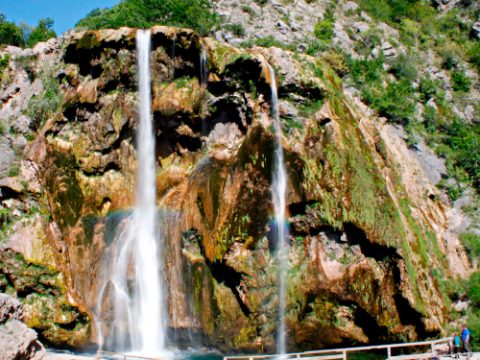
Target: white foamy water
[
  {"x": 279, "y": 193},
  {"x": 133, "y": 285}
]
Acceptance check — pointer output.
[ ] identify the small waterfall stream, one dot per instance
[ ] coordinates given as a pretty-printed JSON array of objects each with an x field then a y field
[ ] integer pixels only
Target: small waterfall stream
[
  {"x": 133, "y": 285},
  {"x": 203, "y": 67},
  {"x": 279, "y": 193}
]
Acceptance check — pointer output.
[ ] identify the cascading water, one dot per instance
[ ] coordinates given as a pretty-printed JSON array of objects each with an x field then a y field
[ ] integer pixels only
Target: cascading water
[
  {"x": 279, "y": 192},
  {"x": 203, "y": 67},
  {"x": 133, "y": 285}
]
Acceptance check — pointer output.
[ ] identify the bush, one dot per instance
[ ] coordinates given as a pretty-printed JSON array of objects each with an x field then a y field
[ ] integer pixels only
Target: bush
[
  {"x": 42, "y": 32},
  {"x": 336, "y": 60},
  {"x": 195, "y": 14},
  {"x": 460, "y": 81},
  {"x": 395, "y": 102},
  {"x": 366, "y": 71},
  {"x": 471, "y": 242},
  {"x": 474, "y": 55},
  {"x": 267, "y": 41},
  {"x": 236, "y": 29},
  {"x": 403, "y": 67},
  {"x": 10, "y": 34},
  {"x": 428, "y": 88},
  {"x": 464, "y": 141},
  {"x": 324, "y": 30}
]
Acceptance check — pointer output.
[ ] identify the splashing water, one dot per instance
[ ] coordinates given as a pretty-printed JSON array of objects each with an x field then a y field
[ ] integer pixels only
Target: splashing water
[
  {"x": 279, "y": 193},
  {"x": 133, "y": 285}
]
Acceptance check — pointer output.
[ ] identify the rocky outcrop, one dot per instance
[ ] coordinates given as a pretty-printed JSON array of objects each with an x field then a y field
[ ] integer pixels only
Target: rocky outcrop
[
  {"x": 17, "y": 341},
  {"x": 370, "y": 237}
]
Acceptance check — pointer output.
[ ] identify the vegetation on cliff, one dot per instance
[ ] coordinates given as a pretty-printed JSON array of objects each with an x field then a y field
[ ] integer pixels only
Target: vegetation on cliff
[
  {"x": 366, "y": 247},
  {"x": 25, "y": 35},
  {"x": 194, "y": 14}
]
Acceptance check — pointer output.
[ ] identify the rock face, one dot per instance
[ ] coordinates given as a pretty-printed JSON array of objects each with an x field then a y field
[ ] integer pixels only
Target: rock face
[
  {"x": 17, "y": 341},
  {"x": 370, "y": 242}
]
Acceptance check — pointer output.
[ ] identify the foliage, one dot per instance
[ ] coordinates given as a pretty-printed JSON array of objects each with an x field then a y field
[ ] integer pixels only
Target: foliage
[
  {"x": 366, "y": 71},
  {"x": 428, "y": 89},
  {"x": 42, "y": 32},
  {"x": 394, "y": 11},
  {"x": 4, "y": 60},
  {"x": 460, "y": 81},
  {"x": 25, "y": 35},
  {"x": 471, "y": 242},
  {"x": 395, "y": 101},
  {"x": 236, "y": 29},
  {"x": 403, "y": 67},
  {"x": 195, "y": 14},
  {"x": 474, "y": 55},
  {"x": 10, "y": 34},
  {"x": 267, "y": 41},
  {"x": 337, "y": 61},
  {"x": 45, "y": 104},
  {"x": 464, "y": 141},
  {"x": 323, "y": 29}
]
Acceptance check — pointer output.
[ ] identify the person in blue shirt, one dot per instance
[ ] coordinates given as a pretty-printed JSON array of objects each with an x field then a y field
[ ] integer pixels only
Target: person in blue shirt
[
  {"x": 456, "y": 345},
  {"x": 466, "y": 338}
]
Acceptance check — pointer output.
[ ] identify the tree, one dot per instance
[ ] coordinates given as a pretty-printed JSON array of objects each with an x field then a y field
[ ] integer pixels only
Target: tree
[
  {"x": 10, "y": 34},
  {"x": 42, "y": 32},
  {"x": 195, "y": 14}
]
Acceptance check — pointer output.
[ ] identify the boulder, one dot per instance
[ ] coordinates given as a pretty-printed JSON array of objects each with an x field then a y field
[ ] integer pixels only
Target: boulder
[
  {"x": 10, "y": 308},
  {"x": 17, "y": 341}
]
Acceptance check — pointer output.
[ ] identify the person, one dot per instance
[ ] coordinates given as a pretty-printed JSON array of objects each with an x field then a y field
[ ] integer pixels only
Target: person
[
  {"x": 456, "y": 345},
  {"x": 466, "y": 339}
]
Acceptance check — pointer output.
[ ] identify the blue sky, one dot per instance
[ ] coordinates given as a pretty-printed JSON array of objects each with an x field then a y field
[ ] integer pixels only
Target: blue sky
[{"x": 65, "y": 13}]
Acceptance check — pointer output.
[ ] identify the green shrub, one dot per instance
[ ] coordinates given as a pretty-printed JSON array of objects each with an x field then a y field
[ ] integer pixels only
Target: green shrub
[
  {"x": 41, "y": 107},
  {"x": 428, "y": 88},
  {"x": 25, "y": 35},
  {"x": 236, "y": 29},
  {"x": 196, "y": 14},
  {"x": 460, "y": 81},
  {"x": 337, "y": 61},
  {"x": 10, "y": 34},
  {"x": 395, "y": 102},
  {"x": 474, "y": 55},
  {"x": 403, "y": 67},
  {"x": 450, "y": 56},
  {"x": 366, "y": 71},
  {"x": 14, "y": 170},
  {"x": 324, "y": 30},
  {"x": 42, "y": 32},
  {"x": 267, "y": 41},
  {"x": 430, "y": 119},
  {"x": 471, "y": 242},
  {"x": 464, "y": 141}
]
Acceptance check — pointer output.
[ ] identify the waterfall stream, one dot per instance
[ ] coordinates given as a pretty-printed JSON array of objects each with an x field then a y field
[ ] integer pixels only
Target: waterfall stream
[
  {"x": 279, "y": 192},
  {"x": 133, "y": 285}
]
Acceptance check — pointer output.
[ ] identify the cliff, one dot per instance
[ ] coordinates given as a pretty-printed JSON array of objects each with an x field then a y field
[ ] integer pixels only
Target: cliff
[{"x": 372, "y": 240}]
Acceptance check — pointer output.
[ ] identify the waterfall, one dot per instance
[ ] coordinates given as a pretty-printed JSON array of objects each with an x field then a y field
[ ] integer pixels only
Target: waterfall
[
  {"x": 203, "y": 67},
  {"x": 279, "y": 192},
  {"x": 133, "y": 286}
]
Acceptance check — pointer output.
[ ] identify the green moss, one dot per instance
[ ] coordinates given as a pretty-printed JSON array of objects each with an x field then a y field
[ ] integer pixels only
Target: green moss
[
  {"x": 66, "y": 197},
  {"x": 88, "y": 41}
]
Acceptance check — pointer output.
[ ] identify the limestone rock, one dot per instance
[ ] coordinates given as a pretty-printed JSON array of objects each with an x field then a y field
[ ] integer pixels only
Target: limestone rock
[
  {"x": 16, "y": 340},
  {"x": 10, "y": 309},
  {"x": 19, "y": 342}
]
